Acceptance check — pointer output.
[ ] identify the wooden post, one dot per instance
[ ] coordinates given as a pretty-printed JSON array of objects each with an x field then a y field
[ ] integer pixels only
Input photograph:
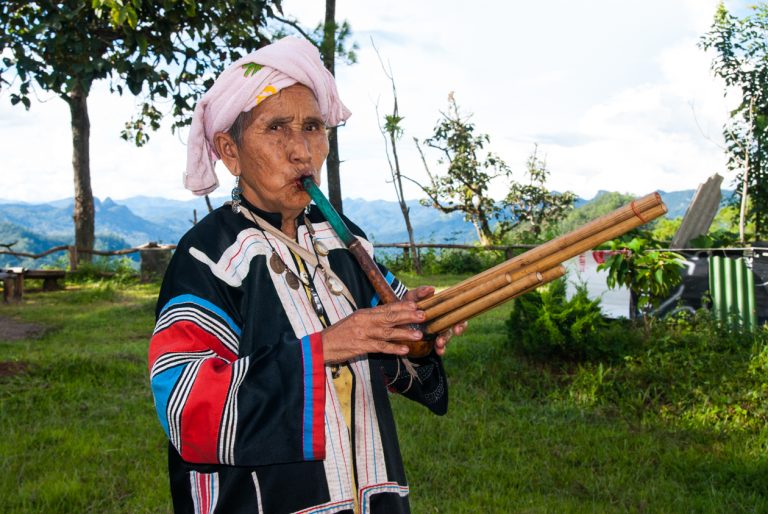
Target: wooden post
[
  {"x": 72, "y": 257},
  {"x": 154, "y": 261}
]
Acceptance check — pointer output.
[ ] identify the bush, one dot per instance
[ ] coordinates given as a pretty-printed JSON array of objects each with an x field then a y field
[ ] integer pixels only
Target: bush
[
  {"x": 117, "y": 269},
  {"x": 689, "y": 368},
  {"x": 442, "y": 262},
  {"x": 544, "y": 324}
]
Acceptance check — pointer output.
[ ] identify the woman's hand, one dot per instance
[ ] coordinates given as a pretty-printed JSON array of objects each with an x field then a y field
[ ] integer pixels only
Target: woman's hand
[
  {"x": 444, "y": 337},
  {"x": 377, "y": 330}
]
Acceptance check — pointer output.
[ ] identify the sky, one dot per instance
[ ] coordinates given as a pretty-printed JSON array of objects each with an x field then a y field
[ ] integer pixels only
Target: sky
[{"x": 616, "y": 94}]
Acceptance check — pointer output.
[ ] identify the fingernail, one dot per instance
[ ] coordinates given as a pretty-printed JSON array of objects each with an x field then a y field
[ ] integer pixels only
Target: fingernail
[
  {"x": 421, "y": 314},
  {"x": 417, "y": 334},
  {"x": 403, "y": 350}
]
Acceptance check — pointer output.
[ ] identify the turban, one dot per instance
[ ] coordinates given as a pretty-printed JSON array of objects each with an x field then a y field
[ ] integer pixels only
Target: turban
[{"x": 242, "y": 86}]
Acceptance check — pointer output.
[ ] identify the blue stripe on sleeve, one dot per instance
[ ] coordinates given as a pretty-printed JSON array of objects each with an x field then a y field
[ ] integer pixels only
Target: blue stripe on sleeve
[
  {"x": 306, "y": 351},
  {"x": 190, "y": 298},
  {"x": 162, "y": 385},
  {"x": 376, "y": 299}
]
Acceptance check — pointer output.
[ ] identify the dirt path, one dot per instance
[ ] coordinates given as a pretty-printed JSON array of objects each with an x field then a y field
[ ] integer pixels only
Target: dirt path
[{"x": 12, "y": 330}]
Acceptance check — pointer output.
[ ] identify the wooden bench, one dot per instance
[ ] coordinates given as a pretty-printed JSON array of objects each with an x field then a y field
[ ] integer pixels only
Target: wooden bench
[
  {"x": 50, "y": 277},
  {"x": 13, "y": 281}
]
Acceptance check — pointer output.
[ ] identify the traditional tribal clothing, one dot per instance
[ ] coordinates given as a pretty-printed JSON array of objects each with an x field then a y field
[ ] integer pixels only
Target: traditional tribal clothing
[{"x": 241, "y": 389}]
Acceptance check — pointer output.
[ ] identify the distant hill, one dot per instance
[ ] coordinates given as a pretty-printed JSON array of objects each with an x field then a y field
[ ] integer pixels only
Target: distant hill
[{"x": 138, "y": 220}]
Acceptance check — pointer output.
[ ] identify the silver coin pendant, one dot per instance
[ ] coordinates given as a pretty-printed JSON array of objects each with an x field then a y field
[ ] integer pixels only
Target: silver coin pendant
[
  {"x": 321, "y": 249},
  {"x": 334, "y": 286}
]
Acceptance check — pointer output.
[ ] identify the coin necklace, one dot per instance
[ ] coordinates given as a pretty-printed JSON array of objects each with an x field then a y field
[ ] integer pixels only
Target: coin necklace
[
  {"x": 293, "y": 279},
  {"x": 334, "y": 286},
  {"x": 277, "y": 264}
]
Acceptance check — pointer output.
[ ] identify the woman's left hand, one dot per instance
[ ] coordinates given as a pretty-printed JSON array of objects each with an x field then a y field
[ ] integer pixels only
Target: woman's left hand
[{"x": 444, "y": 337}]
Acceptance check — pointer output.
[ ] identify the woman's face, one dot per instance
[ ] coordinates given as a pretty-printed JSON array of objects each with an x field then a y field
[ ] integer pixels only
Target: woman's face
[{"x": 284, "y": 140}]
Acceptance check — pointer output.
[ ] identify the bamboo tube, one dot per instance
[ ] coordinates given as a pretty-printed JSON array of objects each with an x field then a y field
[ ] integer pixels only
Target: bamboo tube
[
  {"x": 636, "y": 210},
  {"x": 501, "y": 275},
  {"x": 517, "y": 288},
  {"x": 499, "y": 281}
]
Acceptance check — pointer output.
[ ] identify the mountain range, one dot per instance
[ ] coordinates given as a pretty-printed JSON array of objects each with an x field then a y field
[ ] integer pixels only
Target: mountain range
[{"x": 134, "y": 221}]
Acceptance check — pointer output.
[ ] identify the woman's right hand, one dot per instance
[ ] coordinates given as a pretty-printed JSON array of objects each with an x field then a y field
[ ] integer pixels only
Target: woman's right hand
[{"x": 376, "y": 330}]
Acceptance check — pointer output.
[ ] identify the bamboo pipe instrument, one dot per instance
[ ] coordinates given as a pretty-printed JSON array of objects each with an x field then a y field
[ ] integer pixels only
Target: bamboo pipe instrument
[
  {"x": 635, "y": 210},
  {"x": 505, "y": 273}
]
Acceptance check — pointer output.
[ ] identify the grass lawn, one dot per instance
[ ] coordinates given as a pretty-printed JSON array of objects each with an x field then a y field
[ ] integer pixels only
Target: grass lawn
[{"x": 79, "y": 432}]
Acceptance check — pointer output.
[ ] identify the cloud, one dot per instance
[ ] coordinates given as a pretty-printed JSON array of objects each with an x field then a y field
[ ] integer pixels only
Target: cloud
[{"x": 618, "y": 95}]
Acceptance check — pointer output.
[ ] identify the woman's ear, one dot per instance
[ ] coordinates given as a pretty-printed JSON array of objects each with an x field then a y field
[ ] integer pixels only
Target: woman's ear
[{"x": 228, "y": 151}]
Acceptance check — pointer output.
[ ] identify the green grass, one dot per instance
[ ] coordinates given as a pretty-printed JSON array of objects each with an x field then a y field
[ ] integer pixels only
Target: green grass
[{"x": 79, "y": 432}]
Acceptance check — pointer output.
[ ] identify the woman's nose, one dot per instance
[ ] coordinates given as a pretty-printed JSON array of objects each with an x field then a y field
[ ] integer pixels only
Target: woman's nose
[{"x": 299, "y": 150}]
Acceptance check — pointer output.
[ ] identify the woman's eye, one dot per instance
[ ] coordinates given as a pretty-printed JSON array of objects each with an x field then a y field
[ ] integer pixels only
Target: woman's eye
[
  {"x": 274, "y": 127},
  {"x": 311, "y": 127}
]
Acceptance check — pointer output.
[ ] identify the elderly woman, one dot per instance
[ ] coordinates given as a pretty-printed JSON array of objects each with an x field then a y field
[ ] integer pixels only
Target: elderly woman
[{"x": 271, "y": 362}]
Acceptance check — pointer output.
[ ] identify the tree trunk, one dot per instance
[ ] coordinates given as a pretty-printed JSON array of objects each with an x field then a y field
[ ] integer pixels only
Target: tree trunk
[
  {"x": 633, "y": 312},
  {"x": 81, "y": 165},
  {"x": 484, "y": 232},
  {"x": 403, "y": 206},
  {"x": 333, "y": 167},
  {"x": 328, "y": 50}
]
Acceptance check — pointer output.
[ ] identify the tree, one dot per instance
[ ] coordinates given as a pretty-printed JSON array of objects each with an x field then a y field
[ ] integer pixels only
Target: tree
[
  {"x": 465, "y": 185},
  {"x": 532, "y": 204},
  {"x": 330, "y": 38},
  {"x": 741, "y": 60},
  {"x": 392, "y": 132},
  {"x": 168, "y": 48}
]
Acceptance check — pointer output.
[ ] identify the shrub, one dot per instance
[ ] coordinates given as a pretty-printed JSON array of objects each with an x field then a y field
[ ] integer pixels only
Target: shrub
[
  {"x": 441, "y": 262},
  {"x": 544, "y": 324},
  {"x": 117, "y": 269}
]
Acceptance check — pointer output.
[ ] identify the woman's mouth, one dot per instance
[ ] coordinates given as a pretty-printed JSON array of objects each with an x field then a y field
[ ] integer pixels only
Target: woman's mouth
[{"x": 300, "y": 180}]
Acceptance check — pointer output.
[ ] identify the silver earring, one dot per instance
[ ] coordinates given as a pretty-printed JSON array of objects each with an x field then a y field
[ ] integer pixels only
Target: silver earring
[{"x": 236, "y": 192}]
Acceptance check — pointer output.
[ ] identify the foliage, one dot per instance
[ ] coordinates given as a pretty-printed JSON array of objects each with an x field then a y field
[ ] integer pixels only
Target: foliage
[
  {"x": 465, "y": 186},
  {"x": 665, "y": 229},
  {"x": 648, "y": 273},
  {"x": 445, "y": 262},
  {"x": 545, "y": 324},
  {"x": 167, "y": 49},
  {"x": 119, "y": 270},
  {"x": 533, "y": 204},
  {"x": 741, "y": 60}
]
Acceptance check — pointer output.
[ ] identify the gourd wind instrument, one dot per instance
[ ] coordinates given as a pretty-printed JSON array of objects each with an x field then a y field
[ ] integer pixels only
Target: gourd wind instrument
[{"x": 503, "y": 282}]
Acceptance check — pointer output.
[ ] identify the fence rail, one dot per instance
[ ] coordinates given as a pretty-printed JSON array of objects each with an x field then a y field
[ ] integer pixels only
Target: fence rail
[
  {"x": 74, "y": 252},
  {"x": 508, "y": 249}
]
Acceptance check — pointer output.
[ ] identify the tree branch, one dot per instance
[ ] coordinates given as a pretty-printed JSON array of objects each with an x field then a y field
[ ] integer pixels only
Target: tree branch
[{"x": 298, "y": 28}]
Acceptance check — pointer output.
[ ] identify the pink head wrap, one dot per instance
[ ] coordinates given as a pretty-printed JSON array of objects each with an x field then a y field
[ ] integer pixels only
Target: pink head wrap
[{"x": 242, "y": 86}]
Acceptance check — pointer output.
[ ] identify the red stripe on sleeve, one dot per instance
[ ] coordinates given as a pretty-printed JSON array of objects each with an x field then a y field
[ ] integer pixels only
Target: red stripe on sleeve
[
  {"x": 203, "y": 410},
  {"x": 318, "y": 395},
  {"x": 186, "y": 336}
]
